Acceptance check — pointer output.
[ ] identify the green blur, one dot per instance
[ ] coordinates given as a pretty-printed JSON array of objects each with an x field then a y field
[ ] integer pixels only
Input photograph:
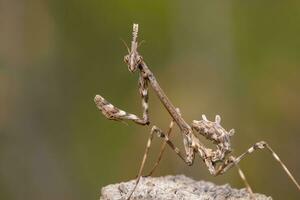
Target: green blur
[{"x": 239, "y": 59}]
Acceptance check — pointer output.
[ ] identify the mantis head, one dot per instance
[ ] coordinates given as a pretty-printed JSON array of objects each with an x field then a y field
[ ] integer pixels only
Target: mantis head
[{"x": 133, "y": 59}]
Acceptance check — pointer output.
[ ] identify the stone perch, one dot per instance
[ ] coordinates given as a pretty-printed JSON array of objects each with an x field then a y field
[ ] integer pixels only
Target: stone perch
[{"x": 177, "y": 187}]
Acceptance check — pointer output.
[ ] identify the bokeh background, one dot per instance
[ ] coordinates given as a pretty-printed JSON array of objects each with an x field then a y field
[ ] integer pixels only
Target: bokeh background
[{"x": 239, "y": 59}]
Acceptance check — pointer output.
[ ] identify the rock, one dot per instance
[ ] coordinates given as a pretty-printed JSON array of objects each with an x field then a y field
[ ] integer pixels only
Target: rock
[{"x": 177, "y": 187}]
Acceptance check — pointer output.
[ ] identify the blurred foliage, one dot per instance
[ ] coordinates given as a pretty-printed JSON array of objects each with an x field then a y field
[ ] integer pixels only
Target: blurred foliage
[{"x": 239, "y": 59}]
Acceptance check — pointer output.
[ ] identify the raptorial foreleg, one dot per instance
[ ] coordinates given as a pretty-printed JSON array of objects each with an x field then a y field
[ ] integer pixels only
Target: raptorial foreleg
[{"x": 113, "y": 113}]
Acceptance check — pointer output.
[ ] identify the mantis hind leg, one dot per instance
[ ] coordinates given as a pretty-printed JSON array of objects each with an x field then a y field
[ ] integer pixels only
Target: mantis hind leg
[{"x": 229, "y": 163}]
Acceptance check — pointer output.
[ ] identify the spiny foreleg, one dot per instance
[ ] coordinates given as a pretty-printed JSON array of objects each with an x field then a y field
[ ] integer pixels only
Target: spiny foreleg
[
  {"x": 143, "y": 90},
  {"x": 114, "y": 113}
]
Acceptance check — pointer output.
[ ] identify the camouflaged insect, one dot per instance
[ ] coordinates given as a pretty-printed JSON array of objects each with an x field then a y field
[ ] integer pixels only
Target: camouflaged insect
[{"x": 217, "y": 160}]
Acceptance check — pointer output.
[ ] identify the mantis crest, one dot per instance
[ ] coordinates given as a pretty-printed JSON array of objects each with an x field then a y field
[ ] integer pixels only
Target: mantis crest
[{"x": 217, "y": 160}]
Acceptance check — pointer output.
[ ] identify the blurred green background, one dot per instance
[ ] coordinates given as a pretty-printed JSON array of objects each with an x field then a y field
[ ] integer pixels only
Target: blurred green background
[{"x": 239, "y": 59}]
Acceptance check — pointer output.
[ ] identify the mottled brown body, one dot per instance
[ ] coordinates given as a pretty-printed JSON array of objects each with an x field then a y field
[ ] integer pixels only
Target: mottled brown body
[{"x": 216, "y": 160}]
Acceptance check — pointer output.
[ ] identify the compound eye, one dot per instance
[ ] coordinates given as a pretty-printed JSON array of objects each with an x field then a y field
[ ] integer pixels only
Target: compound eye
[{"x": 126, "y": 59}]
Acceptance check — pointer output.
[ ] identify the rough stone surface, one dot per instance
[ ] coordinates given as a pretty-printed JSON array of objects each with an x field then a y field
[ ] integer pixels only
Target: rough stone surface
[{"x": 177, "y": 187}]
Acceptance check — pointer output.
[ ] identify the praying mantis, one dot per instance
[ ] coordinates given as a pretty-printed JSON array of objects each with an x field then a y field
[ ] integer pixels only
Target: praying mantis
[{"x": 217, "y": 160}]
